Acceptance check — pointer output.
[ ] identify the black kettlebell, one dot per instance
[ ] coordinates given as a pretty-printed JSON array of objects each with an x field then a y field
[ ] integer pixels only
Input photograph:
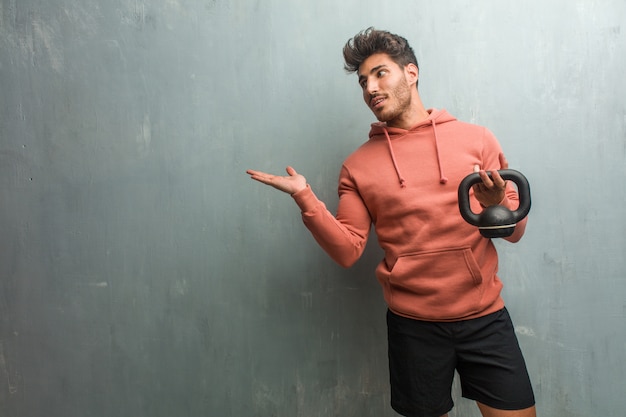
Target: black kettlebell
[{"x": 495, "y": 221}]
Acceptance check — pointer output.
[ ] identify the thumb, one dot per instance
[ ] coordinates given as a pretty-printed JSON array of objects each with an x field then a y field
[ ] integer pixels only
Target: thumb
[
  {"x": 291, "y": 171},
  {"x": 504, "y": 164}
]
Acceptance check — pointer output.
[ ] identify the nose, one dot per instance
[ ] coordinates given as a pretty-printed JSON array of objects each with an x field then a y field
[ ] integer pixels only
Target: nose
[{"x": 372, "y": 87}]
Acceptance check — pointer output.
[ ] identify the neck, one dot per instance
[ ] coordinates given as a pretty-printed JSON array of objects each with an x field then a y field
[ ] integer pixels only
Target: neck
[{"x": 414, "y": 114}]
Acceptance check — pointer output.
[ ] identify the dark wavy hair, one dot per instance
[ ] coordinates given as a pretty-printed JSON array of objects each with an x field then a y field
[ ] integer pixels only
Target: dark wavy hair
[{"x": 372, "y": 41}]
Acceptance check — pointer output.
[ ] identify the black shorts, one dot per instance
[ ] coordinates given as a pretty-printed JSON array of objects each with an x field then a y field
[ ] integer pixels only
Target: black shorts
[{"x": 484, "y": 351}]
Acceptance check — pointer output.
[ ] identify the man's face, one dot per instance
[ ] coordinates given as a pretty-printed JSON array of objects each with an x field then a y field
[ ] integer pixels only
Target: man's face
[{"x": 386, "y": 89}]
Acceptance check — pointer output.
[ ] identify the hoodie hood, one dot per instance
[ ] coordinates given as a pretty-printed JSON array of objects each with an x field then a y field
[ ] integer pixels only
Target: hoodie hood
[{"x": 380, "y": 130}]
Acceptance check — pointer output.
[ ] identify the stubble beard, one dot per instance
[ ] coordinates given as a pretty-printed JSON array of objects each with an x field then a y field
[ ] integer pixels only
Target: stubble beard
[{"x": 402, "y": 96}]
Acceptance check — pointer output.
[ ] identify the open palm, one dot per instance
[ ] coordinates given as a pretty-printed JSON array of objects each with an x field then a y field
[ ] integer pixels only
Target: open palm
[{"x": 291, "y": 183}]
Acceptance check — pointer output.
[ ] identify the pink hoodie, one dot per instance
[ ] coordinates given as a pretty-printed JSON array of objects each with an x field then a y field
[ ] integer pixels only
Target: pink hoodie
[{"x": 436, "y": 266}]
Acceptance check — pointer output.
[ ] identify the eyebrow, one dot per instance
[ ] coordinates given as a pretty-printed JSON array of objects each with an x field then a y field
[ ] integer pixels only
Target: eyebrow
[{"x": 373, "y": 70}]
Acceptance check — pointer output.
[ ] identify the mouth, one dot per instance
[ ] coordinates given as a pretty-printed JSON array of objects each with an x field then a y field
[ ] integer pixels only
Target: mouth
[{"x": 377, "y": 102}]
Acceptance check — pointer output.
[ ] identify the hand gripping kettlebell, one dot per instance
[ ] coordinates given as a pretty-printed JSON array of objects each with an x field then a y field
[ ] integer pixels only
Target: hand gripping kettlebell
[{"x": 495, "y": 221}]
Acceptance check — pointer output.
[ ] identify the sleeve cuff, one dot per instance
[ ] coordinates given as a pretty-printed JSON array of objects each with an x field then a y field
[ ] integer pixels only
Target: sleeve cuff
[{"x": 306, "y": 199}]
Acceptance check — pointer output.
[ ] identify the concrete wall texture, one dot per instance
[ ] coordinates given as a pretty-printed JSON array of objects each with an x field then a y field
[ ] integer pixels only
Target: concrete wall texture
[{"x": 142, "y": 273}]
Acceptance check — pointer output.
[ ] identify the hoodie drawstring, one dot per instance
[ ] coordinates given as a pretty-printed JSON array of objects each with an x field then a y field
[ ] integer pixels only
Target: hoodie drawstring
[
  {"x": 442, "y": 178},
  {"x": 393, "y": 159}
]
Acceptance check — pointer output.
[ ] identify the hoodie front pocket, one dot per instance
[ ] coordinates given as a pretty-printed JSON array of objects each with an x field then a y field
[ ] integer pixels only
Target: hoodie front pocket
[{"x": 436, "y": 285}]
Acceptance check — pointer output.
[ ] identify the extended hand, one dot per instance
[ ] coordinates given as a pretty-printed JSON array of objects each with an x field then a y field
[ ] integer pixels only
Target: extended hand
[
  {"x": 491, "y": 191},
  {"x": 290, "y": 184}
]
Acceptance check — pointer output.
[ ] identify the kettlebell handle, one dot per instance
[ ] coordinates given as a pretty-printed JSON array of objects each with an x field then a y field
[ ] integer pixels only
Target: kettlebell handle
[{"x": 523, "y": 190}]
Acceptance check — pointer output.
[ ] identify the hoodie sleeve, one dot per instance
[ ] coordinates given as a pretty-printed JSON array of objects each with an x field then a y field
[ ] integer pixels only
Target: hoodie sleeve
[
  {"x": 491, "y": 160},
  {"x": 343, "y": 236}
]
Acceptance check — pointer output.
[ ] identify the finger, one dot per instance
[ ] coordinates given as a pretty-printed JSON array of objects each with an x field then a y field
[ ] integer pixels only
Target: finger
[
  {"x": 260, "y": 176},
  {"x": 498, "y": 181},
  {"x": 486, "y": 180},
  {"x": 253, "y": 172},
  {"x": 291, "y": 171},
  {"x": 261, "y": 173},
  {"x": 483, "y": 176}
]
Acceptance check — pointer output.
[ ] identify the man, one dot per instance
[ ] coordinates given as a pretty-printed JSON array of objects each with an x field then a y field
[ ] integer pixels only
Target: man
[{"x": 439, "y": 275}]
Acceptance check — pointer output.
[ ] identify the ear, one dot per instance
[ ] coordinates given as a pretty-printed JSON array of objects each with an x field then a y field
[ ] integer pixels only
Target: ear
[{"x": 411, "y": 73}]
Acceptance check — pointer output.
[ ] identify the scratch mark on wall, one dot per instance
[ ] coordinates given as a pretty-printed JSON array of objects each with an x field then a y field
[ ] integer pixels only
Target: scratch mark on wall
[
  {"x": 307, "y": 300},
  {"x": 44, "y": 34},
  {"x": 180, "y": 287},
  {"x": 144, "y": 137},
  {"x": 5, "y": 372},
  {"x": 99, "y": 284},
  {"x": 525, "y": 331},
  {"x": 136, "y": 14}
]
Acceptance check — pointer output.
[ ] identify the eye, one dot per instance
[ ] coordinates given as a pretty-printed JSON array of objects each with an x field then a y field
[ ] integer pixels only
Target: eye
[{"x": 382, "y": 73}]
